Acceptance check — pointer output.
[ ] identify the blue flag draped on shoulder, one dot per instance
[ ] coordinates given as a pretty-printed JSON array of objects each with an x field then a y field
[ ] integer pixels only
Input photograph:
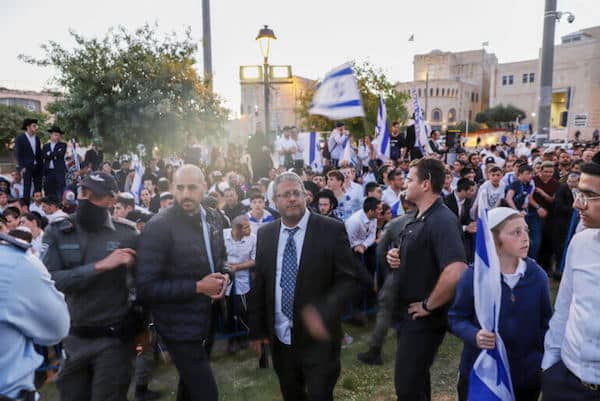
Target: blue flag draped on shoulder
[
  {"x": 382, "y": 139},
  {"x": 421, "y": 129},
  {"x": 490, "y": 377},
  {"x": 337, "y": 96},
  {"x": 312, "y": 151}
]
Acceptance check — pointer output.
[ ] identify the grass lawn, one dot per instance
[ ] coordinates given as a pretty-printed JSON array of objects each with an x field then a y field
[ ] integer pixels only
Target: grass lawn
[{"x": 239, "y": 378}]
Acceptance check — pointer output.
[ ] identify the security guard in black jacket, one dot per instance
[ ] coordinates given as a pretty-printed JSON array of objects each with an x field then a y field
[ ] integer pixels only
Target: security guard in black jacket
[{"x": 88, "y": 255}]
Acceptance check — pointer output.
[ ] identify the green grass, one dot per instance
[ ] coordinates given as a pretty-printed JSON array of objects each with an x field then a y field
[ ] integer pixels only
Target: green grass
[{"x": 239, "y": 378}]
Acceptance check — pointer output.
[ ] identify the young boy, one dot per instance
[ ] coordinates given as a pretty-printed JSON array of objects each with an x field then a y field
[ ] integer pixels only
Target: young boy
[
  {"x": 492, "y": 190},
  {"x": 257, "y": 214},
  {"x": 518, "y": 195}
]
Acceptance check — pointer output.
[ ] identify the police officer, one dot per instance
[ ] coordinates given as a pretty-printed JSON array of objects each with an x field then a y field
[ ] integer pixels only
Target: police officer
[
  {"x": 88, "y": 255},
  {"x": 31, "y": 311}
]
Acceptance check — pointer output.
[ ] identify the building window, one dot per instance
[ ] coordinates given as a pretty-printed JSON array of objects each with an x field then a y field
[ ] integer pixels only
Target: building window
[
  {"x": 437, "y": 91},
  {"x": 430, "y": 92},
  {"x": 419, "y": 92},
  {"x": 476, "y": 97},
  {"x": 443, "y": 92},
  {"x": 504, "y": 80},
  {"x": 525, "y": 78},
  {"x": 472, "y": 97},
  {"x": 452, "y": 116},
  {"x": 436, "y": 115},
  {"x": 531, "y": 77},
  {"x": 510, "y": 79}
]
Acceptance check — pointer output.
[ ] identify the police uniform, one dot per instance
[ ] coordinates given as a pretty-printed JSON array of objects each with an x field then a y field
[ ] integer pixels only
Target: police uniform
[
  {"x": 32, "y": 311},
  {"x": 99, "y": 347}
]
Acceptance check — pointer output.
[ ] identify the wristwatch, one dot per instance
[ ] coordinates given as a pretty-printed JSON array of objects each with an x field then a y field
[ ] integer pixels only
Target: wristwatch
[{"x": 424, "y": 305}]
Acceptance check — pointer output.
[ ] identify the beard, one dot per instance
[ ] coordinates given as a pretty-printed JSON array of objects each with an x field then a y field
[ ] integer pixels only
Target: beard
[{"x": 90, "y": 216}]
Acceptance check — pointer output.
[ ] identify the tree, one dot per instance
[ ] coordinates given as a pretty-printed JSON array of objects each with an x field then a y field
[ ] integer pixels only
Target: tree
[
  {"x": 500, "y": 115},
  {"x": 372, "y": 83},
  {"x": 11, "y": 122},
  {"x": 130, "y": 88},
  {"x": 462, "y": 126}
]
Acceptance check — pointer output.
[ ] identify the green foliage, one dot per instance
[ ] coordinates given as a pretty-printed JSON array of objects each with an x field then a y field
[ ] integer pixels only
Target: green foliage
[
  {"x": 372, "y": 83},
  {"x": 498, "y": 116},
  {"x": 11, "y": 122},
  {"x": 462, "y": 126},
  {"x": 129, "y": 88}
]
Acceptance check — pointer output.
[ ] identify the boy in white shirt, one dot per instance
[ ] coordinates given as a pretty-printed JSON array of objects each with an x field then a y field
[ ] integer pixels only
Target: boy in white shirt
[{"x": 492, "y": 190}]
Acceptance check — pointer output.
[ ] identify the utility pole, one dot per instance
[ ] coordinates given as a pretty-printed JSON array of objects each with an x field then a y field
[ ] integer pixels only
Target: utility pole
[
  {"x": 206, "y": 43},
  {"x": 547, "y": 66}
]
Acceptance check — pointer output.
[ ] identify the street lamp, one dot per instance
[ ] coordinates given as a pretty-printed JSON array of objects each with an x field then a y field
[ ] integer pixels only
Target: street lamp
[{"x": 264, "y": 38}]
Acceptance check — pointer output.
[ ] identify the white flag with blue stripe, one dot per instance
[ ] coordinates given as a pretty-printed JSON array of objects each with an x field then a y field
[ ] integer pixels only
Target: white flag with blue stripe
[
  {"x": 382, "y": 138},
  {"x": 349, "y": 154},
  {"x": 76, "y": 154},
  {"x": 421, "y": 128},
  {"x": 490, "y": 377},
  {"x": 137, "y": 183},
  {"x": 337, "y": 96},
  {"x": 312, "y": 151}
]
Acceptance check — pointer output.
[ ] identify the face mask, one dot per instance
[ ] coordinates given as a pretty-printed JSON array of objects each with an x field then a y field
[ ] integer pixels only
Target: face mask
[{"x": 90, "y": 216}]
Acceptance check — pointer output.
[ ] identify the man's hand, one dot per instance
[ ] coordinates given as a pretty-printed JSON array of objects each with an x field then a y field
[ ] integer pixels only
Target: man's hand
[
  {"x": 118, "y": 257},
  {"x": 212, "y": 285},
  {"x": 543, "y": 213},
  {"x": 485, "y": 339},
  {"x": 314, "y": 323},
  {"x": 258, "y": 344},
  {"x": 471, "y": 227},
  {"x": 359, "y": 249},
  {"x": 415, "y": 310},
  {"x": 393, "y": 258}
]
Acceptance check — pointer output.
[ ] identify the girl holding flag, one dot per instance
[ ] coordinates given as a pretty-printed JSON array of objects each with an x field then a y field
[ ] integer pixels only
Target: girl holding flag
[{"x": 524, "y": 313}]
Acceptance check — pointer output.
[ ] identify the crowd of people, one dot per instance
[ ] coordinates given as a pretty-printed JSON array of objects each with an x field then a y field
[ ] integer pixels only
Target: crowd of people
[{"x": 275, "y": 255}]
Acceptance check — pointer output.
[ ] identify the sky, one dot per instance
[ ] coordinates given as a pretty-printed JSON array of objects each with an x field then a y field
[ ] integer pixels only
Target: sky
[{"x": 313, "y": 36}]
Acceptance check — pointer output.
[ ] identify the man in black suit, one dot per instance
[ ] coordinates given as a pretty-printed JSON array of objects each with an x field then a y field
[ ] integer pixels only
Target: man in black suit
[
  {"x": 306, "y": 276},
  {"x": 53, "y": 156},
  {"x": 94, "y": 157},
  {"x": 460, "y": 203},
  {"x": 28, "y": 154}
]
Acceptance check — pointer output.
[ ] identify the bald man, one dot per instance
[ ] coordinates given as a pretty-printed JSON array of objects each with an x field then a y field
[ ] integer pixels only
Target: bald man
[{"x": 181, "y": 260}]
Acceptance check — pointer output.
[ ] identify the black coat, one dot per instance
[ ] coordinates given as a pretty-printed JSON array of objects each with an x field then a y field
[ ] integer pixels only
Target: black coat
[
  {"x": 329, "y": 277},
  {"x": 57, "y": 157},
  {"x": 171, "y": 258},
  {"x": 24, "y": 153},
  {"x": 464, "y": 219}
]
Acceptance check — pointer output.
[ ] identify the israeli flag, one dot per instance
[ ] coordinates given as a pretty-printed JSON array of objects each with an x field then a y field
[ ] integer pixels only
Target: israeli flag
[
  {"x": 76, "y": 154},
  {"x": 137, "y": 184},
  {"x": 312, "y": 151},
  {"x": 397, "y": 209},
  {"x": 349, "y": 154},
  {"x": 421, "y": 128},
  {"x": 490, "y": 377},
  {"x": 382, "y": 138},
  {"x": 337, "y": 96}
]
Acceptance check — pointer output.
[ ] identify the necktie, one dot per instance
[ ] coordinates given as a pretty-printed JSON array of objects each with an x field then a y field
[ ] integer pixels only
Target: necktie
[{"x": 288, "y": 274}]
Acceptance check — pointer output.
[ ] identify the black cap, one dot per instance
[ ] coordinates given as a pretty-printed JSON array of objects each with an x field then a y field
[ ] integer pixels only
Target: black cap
[
  {"x": 51, "y": 200},
  {"x": 101, "y": 184},
  {"x": 339, "y": 124},
  {"x": 490, "y": 159},
  {"x": 55, "y": 128},
  {"x": 28, "y": 121}
]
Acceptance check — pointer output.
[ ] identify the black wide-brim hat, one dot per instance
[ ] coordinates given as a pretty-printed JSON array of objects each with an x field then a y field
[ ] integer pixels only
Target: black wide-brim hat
[
  {"x": 28, "y": 121},
  {"x": 101, "y": 184},
  {"x": 55, "y": 128}
]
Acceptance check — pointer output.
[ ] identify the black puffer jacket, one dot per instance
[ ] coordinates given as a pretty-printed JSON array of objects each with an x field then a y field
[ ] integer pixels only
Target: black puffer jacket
[{"x": 171, "y": 258}]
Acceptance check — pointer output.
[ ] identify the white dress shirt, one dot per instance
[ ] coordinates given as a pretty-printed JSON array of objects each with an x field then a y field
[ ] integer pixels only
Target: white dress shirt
[
  {"x": 361, "y": 230},
  {"x": 390, "y": 198},
  {"x": 574, "y": 333},
  {"x": 31, "y": 139},
  {"x": 52, "y": 146},
  {"x": 283, "y": 326},
  {"x": 239, "y": 252},
  {"x": 335, "y": 144},
  {"x": 459, "y": 203}
]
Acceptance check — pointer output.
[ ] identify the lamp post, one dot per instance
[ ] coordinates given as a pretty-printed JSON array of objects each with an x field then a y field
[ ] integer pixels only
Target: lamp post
[{"x": 265, "y": 35}]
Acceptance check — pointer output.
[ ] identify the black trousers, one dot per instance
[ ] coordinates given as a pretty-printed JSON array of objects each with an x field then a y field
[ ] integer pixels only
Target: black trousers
[
  {"x": 196, "y": 380},
  {"x": 31, "y": 176},
  {"x": 521, "y": 394},
  {"x": 417, "y": 348},
  {"x": 559, "y": 384},
  {"x": 307, "y": 374},
  {"x": 54, "y": 184}
]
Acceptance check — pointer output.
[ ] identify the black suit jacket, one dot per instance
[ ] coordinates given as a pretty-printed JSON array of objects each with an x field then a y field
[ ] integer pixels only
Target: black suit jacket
[
  {"x": 57, "y": 157},
  {"x": 563, "y": 205},
  {"x": 24, "y": 154},
  {"x": 329, "y": 277},
  {"x": 464, "y": 219}
]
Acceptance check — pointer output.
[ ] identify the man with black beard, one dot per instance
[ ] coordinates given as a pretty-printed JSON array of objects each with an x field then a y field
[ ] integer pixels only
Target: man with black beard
[{"x": 88, "y": 255}]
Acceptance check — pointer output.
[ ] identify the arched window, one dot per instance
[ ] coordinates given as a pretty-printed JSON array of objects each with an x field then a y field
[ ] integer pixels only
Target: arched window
[
  {"x": 419, "y": 92},
  {"x": 451, "y": 115},
  {"x": 436, "y": 115},
  {"x": 430, "y": 92},
  {"x": 443, "y": 92},
  {"x": 437, "y": 91}
]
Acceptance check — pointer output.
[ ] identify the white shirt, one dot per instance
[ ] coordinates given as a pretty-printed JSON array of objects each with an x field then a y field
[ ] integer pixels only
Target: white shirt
[
  {"x": 255, "y": 223},
  {"x": 490, "y": 196},
  {"x": 31, "y": 139},
  {"x": 299, "y": 155},
  {"x": 35, "y": 208},
  {"x": 335, "y": 144},
  {"x": 16, "y": 189},
  {"x": 52, "y": 146},
  {"x": 361, "y": 230},
  {"x": 285, "y": 145},
  {"x": 58, "y": 215},
  {"x": 393, "y": 200},
  {"x": 574, "y": 333},
  {"x": 355, "y": 190},
  {"x": 36, "y": 244},
  {"x": 511, "y": 279},
  {"x": 283, "y": 326},
  {"x": 239, "y": 252}
]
